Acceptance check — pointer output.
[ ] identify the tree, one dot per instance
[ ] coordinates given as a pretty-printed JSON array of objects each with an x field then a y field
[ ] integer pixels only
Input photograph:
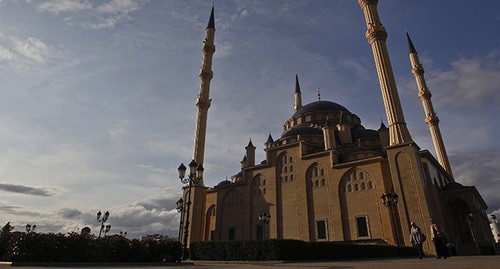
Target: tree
[{"x": 7, "y": 228}]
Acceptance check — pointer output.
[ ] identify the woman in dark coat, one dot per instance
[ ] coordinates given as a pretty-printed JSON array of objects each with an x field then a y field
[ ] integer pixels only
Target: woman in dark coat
[{"x": 440, "y": 240}]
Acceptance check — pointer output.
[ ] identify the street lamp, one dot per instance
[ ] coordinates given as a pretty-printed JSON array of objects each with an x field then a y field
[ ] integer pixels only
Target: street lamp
[
  {"x": 390, "y": 200},
  {"x": 102, "y": 219},
  {"x": 30, "y": 228},
  {"x": 264, "y": 218},
  {"x": 195, "y": 175},
  {"x": 180, "y": 208}
]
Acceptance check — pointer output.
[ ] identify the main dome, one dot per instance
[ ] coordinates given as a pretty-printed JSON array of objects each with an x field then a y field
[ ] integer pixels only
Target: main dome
[{"x": 320, "y": 106}]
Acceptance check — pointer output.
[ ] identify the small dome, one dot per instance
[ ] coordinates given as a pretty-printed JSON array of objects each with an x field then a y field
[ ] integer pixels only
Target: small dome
[
  {"x": 302, "y": 130},
  {"x": 367, "y": 133},
  {"x": 223, "y": 183},
  {"x": 319, "y": 106}
]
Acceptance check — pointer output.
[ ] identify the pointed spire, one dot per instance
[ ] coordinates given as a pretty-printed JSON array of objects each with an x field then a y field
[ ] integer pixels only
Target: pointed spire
[
  {"x": 211, "y": 21},
  {"x": 319, "y": 95},
  {"x": 411, "y": 48},
  {"x": 382, "y": 125},
  {"x": 250, "y": 145},
  {"x": 297, "y": 85},
  {"x": 269, "y": 139}
]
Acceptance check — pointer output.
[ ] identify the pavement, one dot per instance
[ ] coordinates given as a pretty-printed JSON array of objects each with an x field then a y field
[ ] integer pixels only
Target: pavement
[{"x": 455, "y": 262}]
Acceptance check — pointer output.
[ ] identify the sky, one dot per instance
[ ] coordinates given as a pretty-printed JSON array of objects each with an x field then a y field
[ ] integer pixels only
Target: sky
[{"x": 97, "y": 106}]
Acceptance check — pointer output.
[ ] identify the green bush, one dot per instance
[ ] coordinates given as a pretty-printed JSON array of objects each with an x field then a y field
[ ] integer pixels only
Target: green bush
[
  {"x": 263, "y": 250},
  {"x": 75, "y": 248}
]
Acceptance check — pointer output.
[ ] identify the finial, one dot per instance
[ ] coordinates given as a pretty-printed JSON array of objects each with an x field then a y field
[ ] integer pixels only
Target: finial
[
  {"x": 211, "y": 21},
  {"x": 411, "y": 48},
  {"x": 319, "y": 95}
]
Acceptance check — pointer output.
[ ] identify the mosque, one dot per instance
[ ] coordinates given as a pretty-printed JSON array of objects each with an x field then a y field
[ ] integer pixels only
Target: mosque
[{"x": 328, "y": 178}]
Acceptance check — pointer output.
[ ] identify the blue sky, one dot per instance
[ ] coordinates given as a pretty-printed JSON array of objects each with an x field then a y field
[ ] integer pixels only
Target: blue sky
[{"x": 97, "y": 107}]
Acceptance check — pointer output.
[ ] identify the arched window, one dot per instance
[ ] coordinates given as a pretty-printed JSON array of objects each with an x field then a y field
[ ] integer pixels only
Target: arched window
[
  {"x": 323, "y": 182},
  {"x": 363, "y": 186},
  {"x": 349, "y": 188},
  {"x": 356, "y": 187},
  {"x": 370, "y": 185}
]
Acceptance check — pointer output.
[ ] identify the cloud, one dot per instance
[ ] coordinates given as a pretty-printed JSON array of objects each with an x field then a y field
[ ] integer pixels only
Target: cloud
[
  {"x": 31, "y": 48},
  {"x": 70, "y": 213},
  {"x": 480, "y": 169},
  {"x": 36, "y": 191},
  {"x": 470, "y": 82},
  {"x": 6, "y": 209},
  {"x": 59, "y": 6},
  {"x": 19, "y": 50},
  {"x": 5, "y": 53},
  {"x": 104, "y": 15},
  {"x": 118, "y": 6}
]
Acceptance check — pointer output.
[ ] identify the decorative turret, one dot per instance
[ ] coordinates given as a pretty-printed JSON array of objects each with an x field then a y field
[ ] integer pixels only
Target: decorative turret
[
  {"x": 431, "y": 118},
  {"x": 298, "y": 94},
  {"x": 250, "y": 155},
  {"x": 383, "y": 133},
  {"x": 329, "y": 136},
  {"x": 344, "y": 130},
  {"x": 376, "y": 37},
  {"x": 269, "y": 141},
  {"x": 203, "y": 101}
]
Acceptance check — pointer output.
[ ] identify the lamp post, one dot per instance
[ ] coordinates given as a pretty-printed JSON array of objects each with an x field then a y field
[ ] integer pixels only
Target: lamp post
[
  {"x": 195, "y": 175},
  {"x": 180, "y": 208},
  {"x": 264, "y": 218},
  {"x": 30, "y": 228},
  {"x": 102, "y": 219},
  {"x": 390, "y": 200}
]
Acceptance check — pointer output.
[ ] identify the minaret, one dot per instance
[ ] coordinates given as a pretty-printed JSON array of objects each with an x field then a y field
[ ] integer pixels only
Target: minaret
[
  {"x": 431, "y": 118},
  {"x": 298, "y": 94},
  {"x": 203, "y": 100},
  {"x": 376, "y": 37}
]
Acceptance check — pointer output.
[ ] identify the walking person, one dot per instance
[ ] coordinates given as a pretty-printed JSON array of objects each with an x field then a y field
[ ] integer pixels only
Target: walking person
[
  {"x": 417, "y": 239},
  {"x": 440, "y": 240}
]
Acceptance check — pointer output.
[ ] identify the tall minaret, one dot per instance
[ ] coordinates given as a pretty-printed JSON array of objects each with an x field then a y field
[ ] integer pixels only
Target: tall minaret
[
  {"x": 431, "y": 118},
  {"x": 203, "y": 100},
  {"x": 376, "y": 37},
  {"x": 298, "y": 94}
]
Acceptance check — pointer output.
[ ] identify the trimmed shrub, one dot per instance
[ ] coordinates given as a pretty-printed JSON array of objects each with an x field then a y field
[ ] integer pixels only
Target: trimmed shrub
[
  {"x": 262, "y": 250},
  {"x": 74, "y": 248}
]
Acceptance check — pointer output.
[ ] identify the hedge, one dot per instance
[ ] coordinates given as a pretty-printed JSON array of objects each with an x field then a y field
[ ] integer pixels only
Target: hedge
[
  {"x": 264, "y": 250},
  {"x": 75, "y": 248}
]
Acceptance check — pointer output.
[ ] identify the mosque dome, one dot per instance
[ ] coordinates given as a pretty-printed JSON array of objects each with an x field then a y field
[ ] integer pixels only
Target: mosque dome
[
  {"x": 320, "y": 106},
  {"x": 309, "y": 119}
]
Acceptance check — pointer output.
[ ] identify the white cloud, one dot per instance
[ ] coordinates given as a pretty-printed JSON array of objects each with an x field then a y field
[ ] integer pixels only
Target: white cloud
[
  {"x": 31, "y": 48},
  {"x": 57, "y": 6},
  {"x": 118, "y": 6},
  {"x": 469, "y": 82},
  {"x": 5, "y": 53}
]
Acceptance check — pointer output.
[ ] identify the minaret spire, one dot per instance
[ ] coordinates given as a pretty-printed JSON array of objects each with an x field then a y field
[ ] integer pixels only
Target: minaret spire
[
  {"x": 298, "y": 94},
  {"x": 376, "y": 37},
  {"x": 203, "y": 101},
  {"x": 431, "y": 118}
]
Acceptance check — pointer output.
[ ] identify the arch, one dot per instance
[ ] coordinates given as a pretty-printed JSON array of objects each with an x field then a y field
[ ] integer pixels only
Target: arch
[
  {"x": 210, "y": 223},
  {"x": 357, "y": 185}
]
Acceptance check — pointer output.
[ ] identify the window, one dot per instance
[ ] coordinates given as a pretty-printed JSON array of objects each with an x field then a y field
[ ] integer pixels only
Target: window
[
  {"x": 321, "y": 230},
  {"x": 232, "y": 233},
  {"x": 362, "y": 225},
  {"x": 259, "y": 232}
]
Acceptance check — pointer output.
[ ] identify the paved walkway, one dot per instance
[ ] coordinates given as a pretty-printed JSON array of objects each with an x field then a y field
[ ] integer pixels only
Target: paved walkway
[{"x": 462, "y": 262}]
